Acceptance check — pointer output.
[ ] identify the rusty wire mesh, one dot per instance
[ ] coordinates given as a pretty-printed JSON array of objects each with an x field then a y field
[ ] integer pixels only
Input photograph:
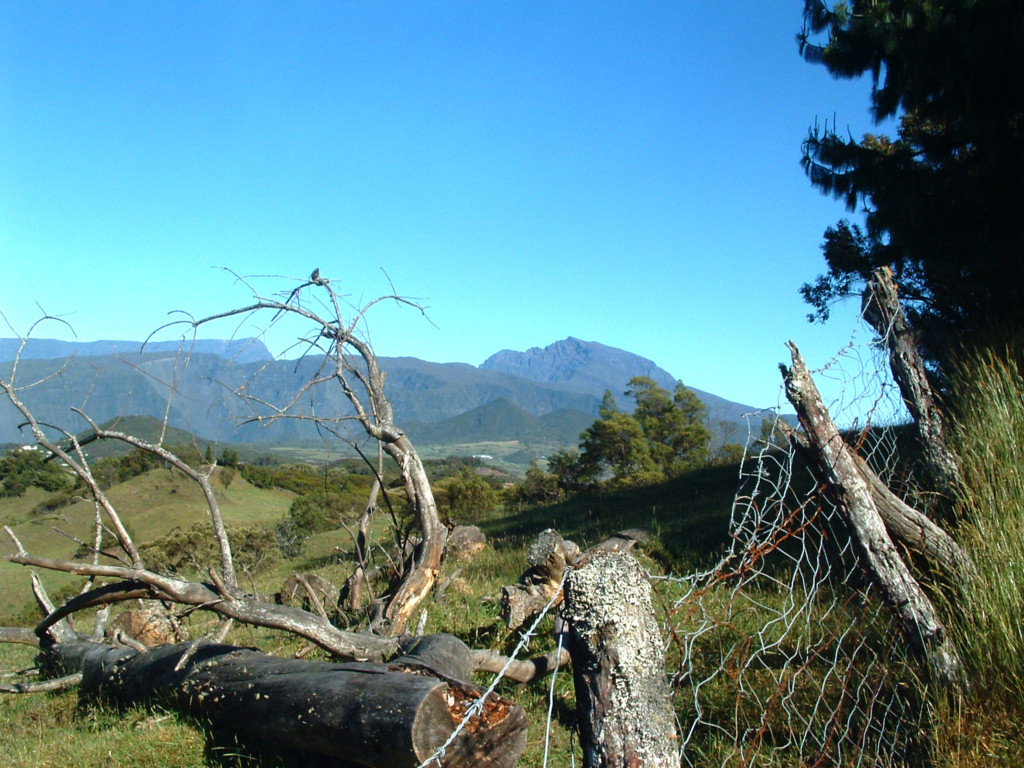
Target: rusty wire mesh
[{"x": 783, "y": 653}]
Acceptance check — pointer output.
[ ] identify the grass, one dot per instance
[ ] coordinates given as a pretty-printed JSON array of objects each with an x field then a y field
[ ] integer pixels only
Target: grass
[
  {"x": 57, "y": 729},
  {"x": 984, "y": 726},
  {"x": 150, "y": 505},
  {"x": 688, "y": 519}
]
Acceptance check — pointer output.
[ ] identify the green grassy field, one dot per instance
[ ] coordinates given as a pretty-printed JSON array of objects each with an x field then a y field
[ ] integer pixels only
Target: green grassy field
[
  {"x": 150, "y": 505},
  {"x": 58, "y": 729},
  {"x": 688, "y": 522}
]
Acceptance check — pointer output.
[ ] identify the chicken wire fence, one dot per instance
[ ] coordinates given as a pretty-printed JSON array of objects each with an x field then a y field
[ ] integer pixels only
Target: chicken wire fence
[{"x": 784, "y": 653}]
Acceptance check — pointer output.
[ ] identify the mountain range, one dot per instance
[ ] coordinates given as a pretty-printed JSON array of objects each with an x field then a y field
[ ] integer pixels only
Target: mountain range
[{"x": 535, "y": 400}]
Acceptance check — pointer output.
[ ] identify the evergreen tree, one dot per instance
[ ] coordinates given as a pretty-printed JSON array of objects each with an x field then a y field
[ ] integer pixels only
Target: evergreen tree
[
  {"x": 943, "y": 199},
  {"x": 674, "y": 425},
  {"x": 664, "y": 436}
]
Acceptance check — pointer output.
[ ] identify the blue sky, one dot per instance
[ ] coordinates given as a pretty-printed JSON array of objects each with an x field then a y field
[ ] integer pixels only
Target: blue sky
[{"x": 622, "y": 172}]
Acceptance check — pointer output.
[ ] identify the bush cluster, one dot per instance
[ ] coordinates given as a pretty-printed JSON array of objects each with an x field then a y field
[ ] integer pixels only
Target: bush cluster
[
  {"x": 253, "y": 548},
  {"x": 23, "y": 468},
  {"x": 465, "y": 496}
]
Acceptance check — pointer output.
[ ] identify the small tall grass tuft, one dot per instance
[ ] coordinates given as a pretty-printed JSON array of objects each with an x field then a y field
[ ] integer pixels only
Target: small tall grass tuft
[{"x": 988, "y": 433}]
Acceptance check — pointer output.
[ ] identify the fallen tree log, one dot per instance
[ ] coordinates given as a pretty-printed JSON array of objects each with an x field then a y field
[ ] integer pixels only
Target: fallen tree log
[
  {"x": 380, "y": 715},
  {"x": 916, "y": 530},
  {"x": 834, "y": 465}
]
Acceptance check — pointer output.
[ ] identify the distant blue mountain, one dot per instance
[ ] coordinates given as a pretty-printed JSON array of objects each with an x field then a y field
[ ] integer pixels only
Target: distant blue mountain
[
  {"x": 238, "y": 350},
  {"x": 591, "y": 368},
  {"x": 544, "y": 395},
  {"x": 583, "y": 366}
]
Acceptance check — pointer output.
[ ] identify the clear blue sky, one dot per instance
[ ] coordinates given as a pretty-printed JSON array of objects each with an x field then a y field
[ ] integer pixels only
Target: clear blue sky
[{"x": 622, "y": 172}]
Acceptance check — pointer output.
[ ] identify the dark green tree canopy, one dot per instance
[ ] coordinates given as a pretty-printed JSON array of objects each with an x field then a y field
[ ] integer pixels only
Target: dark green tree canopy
[
  {"x": 943, "y": 199},
  {"x": 666, "y": 435}
]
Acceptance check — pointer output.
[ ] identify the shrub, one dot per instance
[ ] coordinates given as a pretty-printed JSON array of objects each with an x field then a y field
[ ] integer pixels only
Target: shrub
[
  {"x": 538, "y": 487},
  {"x": 253, "y": 548},
  {"x": 465, "y": 496},
  {"x": 318, "y": 511},
  {"x": 25, "y": 467}
]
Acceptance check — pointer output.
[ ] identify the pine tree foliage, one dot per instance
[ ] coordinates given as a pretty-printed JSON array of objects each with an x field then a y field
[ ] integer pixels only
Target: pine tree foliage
[{"x": 943, "y": 198}]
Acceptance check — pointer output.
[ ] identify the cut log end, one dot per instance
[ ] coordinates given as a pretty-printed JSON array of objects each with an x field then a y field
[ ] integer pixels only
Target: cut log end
[{"x": 376, "y": 715}]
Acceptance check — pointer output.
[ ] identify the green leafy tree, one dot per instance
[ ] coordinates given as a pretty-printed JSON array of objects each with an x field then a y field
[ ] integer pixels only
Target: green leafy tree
[
  {"x": 538, "y": 487},
  {"x": 675, "y": 425},
  {"x": 22, "y": 468},
  {"x": 568, "y": 469},
  {"x": 942, "y": 199},
  {"x": 665, "y": 436},
  {"x": 463, "y": 497},
  {"x": 228, "y": 458},
  {"x": 616, "y": 443}
]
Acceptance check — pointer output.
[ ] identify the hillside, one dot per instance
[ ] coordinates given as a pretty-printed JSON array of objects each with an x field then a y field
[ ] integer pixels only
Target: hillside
[
  {"x": 502, "y": 419},
  {"x": 541, "y": 397}
]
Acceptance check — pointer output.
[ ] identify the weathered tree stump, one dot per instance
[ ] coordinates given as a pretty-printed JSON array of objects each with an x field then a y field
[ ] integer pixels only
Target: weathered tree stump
[
  {"x": 380, "y": 715},
  {"x": 148, "y": 626},
  {"x": 622, "y": 694},
  {"x": 465, "y": 542},
  {"x": 547, "y": 559}
]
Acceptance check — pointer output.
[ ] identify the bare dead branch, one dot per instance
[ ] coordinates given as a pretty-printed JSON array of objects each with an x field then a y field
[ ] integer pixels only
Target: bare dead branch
[
  {"x": 243, "y": 608},
  {"x": 202, "y": 479},
  {"x": 120, "y": 638},
  {"x": 17, "y": 543},
  {"x": 18, "y": 635},
  {"x": 79, "y": 466},
  {"x": 350, "y": 362},
  {"x": 54, "y": 684},
  {"x": 520, "y": 670},
  {"x": 835, "y": 466}
]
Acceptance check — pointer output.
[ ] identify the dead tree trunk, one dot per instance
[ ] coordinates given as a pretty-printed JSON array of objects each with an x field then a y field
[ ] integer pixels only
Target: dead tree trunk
[
  {"x": 882, "y": 310},
  {"x": 426, "y": 562},
  {"x": 834, "y": 465},
  {"x": 547, "y": 559},
  {"x": 378, "y": 715},
  {"x": 917, "y": 531},
  {"x": 622, "y": 694}
]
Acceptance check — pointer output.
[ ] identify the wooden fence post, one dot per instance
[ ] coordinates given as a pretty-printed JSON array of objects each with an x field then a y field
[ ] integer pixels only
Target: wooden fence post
[{"x": 622, "y": 694}]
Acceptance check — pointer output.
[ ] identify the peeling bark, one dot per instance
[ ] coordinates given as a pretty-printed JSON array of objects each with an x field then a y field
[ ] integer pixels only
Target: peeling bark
[
  {"x": 835, "y": 465},
  {"x": 882, "y": 310}
]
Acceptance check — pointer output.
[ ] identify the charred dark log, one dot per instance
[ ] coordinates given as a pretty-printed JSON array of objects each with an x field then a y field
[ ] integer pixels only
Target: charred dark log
[
  {"x": 622, "y": 694},
  {"x": 835, "y": 466},
  {"x": 386, "y": 715}
]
